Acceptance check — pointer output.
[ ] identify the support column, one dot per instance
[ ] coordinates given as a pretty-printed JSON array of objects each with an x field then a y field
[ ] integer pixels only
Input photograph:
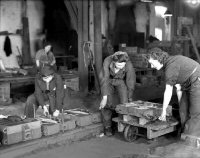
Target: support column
[
  {"x": 82, "y": 37},
  {"x": 25, "y": 36},
  {"x": 97, "y": 36}
]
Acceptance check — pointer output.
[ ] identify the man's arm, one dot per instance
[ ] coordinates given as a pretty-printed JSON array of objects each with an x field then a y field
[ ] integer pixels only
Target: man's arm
[
  {"x": 104, "y": 77},
  {"x": 130, "y": 80},
  {"x": 104, "y": 80},
  {"x": 167, "y": 98}
]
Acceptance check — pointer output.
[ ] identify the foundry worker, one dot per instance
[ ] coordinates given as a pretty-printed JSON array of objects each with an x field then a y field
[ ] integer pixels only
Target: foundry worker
[
  {"x": 44, "y": 53},
  {"x": 183, "y": 73},
  {"x": 48, "y": 95},
  {"x": 117, "y": 75}
]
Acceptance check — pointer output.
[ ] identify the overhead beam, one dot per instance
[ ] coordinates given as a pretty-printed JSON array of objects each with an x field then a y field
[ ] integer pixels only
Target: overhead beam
[{"x": 73, "y": 12}]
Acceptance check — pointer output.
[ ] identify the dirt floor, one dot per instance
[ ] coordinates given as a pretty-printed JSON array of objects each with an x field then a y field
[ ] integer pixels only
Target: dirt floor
[
  {"x": 101, "y": 147},
  {"x": 105, "y": 147},
  {"x": 116, "y": 147}
]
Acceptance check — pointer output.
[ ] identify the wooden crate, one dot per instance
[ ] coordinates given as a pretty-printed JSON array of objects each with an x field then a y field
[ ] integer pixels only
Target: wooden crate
[
  {"x": 15, "y": 132},
  {"x": 86, "y": 119},
  {"x": 142, "y": 109},
  {"x": 50, "y": 129},
  {"x": 67, "y": 124},
  {"x": 72, "y": 83}
]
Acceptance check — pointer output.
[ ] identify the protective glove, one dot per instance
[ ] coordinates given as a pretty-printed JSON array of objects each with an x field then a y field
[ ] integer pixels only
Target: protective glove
[
  {"x": 46, "y": 110},
  {"x": 56, "y": 113}
]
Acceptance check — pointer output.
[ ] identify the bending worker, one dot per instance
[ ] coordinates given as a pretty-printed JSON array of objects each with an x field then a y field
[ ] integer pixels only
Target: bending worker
[
  {"x": 118, "y": 75},
  {"x": 183, "y": 73}
]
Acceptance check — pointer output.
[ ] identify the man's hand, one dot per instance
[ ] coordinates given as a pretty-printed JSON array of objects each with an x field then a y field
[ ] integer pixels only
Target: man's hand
[
  {"x": 163, "y": 116},
  {"x": 56, "y": 113},
  {"x": 103, "y": 102},
  {"x": 46, "y": 110}
]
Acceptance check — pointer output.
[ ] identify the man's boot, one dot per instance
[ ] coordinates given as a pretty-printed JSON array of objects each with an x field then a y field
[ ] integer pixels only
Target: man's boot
[{"x": 108, "y": 131}]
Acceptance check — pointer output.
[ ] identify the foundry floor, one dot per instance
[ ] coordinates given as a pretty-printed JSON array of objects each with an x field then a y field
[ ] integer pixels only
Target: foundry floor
[{"x": 103, "y": 147}]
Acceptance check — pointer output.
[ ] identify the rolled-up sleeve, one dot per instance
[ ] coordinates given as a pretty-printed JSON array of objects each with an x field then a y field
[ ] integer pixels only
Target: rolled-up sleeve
[
  {"x": 104, "y": 77},
  {"x": 130, "y": 79}
]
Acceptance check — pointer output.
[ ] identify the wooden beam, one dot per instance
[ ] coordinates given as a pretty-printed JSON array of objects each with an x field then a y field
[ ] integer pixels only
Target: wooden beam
[
  {"x": 97, "y": 35},
  {"x": 26, "y": 55},
  {"x": 73, "y": 13},
  {"x": 82, "y": 37},
  {"x": 85, "y": 39},
  {"x": 74, "y": 6}
]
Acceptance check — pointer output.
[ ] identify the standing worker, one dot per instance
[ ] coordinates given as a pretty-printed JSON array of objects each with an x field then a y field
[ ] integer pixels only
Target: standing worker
[
  {"x": 45, "y": 55},
  {"x": 117, "y": 74},
  {"x": 183, "y": 73}
]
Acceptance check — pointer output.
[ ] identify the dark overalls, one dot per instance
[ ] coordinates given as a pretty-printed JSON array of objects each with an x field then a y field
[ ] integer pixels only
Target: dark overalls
[
  {"x": 53, "y": 95},
  {"x": 123, "y": 82},
  {"x": 185, "y": 71}
]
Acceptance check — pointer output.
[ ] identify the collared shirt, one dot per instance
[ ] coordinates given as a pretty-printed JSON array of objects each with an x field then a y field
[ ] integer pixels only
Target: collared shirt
[{"x": 47, "y": 58}]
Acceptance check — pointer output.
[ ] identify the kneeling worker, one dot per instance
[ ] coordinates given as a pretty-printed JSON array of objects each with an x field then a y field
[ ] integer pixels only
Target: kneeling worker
[
  {"x": 49, "y": 93},
  {"x": 118, "y": 75}
]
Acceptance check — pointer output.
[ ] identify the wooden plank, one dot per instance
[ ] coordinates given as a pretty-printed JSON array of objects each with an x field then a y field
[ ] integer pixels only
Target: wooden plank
[
  {"x": 67, "y": 124},
  {"x": 142, "y": 109},
  {"x": 50, "y": 129},
  {"x": 155, "y": 126},
  {"x": 25, "y": 36},
  {"x": 85, "y": 39},
  {"x": 154, "y": 134},
  {"x": 82, "y": 36},
  {"x": 97, "y": 38}
]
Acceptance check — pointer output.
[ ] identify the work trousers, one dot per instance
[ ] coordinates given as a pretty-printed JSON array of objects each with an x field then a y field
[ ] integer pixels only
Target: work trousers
[
  {"x": 32, "y": 106},
  {"x": 190, "y": 109},
  {"x": 109, "y": 110}
]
